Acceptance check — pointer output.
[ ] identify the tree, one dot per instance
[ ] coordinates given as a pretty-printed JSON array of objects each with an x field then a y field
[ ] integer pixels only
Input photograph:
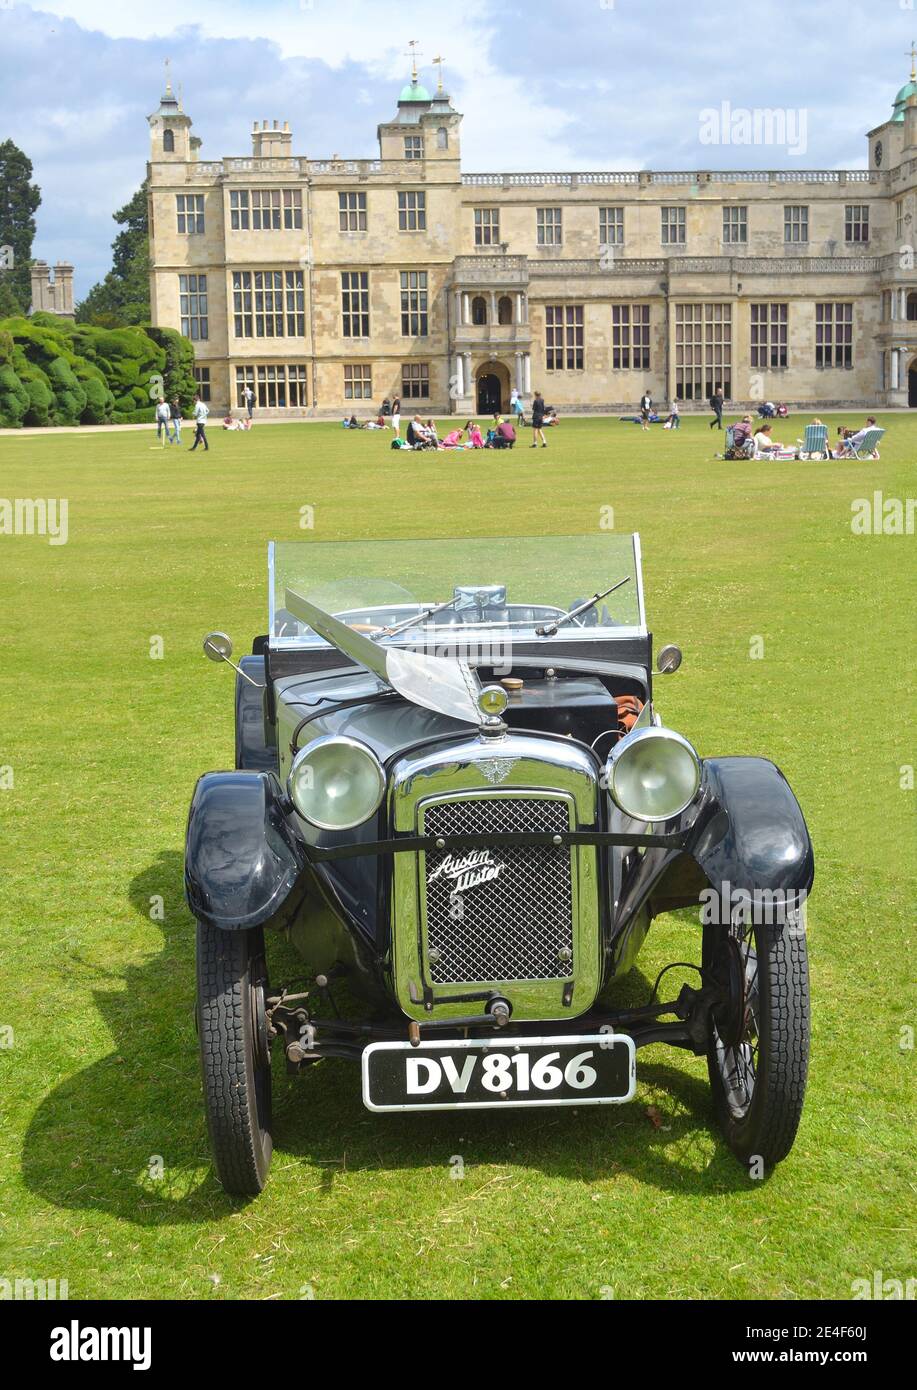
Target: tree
[
  {"x": 123, "y": 297},
  {"x": 19, "y": 199}
]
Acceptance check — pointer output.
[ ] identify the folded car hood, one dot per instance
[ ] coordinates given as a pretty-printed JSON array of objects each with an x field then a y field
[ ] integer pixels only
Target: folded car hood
[{"x": 439, "y": 683}]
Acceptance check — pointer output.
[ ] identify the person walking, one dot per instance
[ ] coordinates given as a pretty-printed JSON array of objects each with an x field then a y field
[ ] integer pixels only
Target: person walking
[
  {"x": 538, "y": 421},
  {"x": 517, "y": 408},
  {"x": 396, "y": 416},
  {"x": 248, "y": 396},
  {"x": 200, "y": 425},
  {"x": 646, "y": 410},
  {"x": 717, "y": 401},
  {"x": 176, "y": 421},
  {"x": 163, "y": 420}
]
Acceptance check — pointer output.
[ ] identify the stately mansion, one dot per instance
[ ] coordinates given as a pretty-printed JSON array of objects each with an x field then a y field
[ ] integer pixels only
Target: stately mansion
[{"x": 330, "y": 284}]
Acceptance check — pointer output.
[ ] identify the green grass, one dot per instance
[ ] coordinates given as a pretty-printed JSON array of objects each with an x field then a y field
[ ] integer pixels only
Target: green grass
[{"x": 105, "y": 745}]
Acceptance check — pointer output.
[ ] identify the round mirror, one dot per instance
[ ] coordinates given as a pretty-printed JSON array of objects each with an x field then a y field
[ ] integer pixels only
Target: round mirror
[
  {"x": 218, "y": 646},
  {"x": 669, "y": 660}
]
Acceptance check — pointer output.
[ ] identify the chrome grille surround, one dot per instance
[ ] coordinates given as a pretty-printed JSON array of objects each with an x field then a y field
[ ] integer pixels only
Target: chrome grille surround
[
  {"x": 508, "y": 915},
  {"x": 520, "y": 782}
]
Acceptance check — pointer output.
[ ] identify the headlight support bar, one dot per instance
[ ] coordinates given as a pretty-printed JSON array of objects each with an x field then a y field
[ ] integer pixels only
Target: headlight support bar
[{"x": 570, "y": 839}]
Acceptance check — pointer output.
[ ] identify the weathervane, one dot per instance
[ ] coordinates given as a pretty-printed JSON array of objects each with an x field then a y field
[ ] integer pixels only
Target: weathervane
[
  {"x": 439, "y": 63},
  {"x": 412, "y": 45},
  {"x": 168, "y": 68},
  {"x": 913, "y": 61}
]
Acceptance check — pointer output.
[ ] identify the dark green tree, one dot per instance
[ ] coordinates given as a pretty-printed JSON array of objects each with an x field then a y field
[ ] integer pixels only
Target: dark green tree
[
  {"x": 123, "y": 297},
  {"x": 19, "y": 199}
]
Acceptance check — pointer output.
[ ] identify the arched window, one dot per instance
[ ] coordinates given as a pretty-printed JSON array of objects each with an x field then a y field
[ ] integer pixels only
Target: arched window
[
  {"x": 912, "y": 305},
  {"x": 505, "y": 309},
  {"x": 479, "y": 309},
  {"x": 442, "y": 138},
  {"x": 168, "y": 141}
]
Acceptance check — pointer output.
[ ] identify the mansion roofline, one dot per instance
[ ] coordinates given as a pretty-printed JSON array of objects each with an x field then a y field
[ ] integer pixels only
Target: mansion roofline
[{"x": 638, "y": 178}]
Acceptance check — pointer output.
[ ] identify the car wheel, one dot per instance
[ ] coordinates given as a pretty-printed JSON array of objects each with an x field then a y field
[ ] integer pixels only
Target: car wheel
[
  {"x": 758, "y": 1055},
  {"x": 235, "y": 1054}
]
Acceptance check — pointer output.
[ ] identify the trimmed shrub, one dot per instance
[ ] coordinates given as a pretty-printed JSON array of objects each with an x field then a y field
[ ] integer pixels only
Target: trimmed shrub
[
  {"x": 73, "y": 373},
  {"x": 41, "y": 401},
  {"x": 99, "y": 401},
  {"x": 132, "y": 417},
  {"x": 69, "y": 396},
  {"x": 14, "y": 398},
  {"x": 41, "y": 397}
]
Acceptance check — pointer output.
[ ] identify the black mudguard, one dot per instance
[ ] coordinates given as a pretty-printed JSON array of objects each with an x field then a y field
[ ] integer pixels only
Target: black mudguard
[
  {"x": 252, "y": 750},
  {"x": 766, "y": 843},
  {"x": 245, "y": 864},
  {"x": 749, "y": 834}
]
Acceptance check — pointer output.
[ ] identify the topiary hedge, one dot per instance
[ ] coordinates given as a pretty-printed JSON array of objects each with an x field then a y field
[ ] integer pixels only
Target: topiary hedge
[{"x": 57, "y": 372}]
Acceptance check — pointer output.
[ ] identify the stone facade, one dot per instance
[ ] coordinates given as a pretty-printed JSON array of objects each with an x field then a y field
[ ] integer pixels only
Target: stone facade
[
  {"x": 52, "y": 291},
  {"x": 331, "y": 284}
]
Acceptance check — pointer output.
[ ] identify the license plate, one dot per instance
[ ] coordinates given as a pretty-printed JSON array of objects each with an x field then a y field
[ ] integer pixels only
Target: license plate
[{"x": 473, "y": 1074}]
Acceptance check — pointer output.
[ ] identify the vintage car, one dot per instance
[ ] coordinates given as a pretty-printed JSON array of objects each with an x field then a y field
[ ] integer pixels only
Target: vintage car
[{"x": 455, "y": 796}]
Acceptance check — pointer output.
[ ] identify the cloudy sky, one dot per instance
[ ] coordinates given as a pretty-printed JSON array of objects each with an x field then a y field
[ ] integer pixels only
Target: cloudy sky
[{"x": 543, "y": 84}]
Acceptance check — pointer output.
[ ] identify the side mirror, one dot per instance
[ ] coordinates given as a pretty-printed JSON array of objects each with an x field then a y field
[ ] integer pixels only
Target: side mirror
[
  {"x": 669, "y": 660},
  {"x": 218, "y": 647}
]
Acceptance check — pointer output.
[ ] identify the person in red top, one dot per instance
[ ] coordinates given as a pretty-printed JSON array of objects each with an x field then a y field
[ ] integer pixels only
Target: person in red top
[{"x": 506, "y": 432}]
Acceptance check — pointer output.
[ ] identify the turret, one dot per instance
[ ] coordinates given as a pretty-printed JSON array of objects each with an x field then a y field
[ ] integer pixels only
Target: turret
[
  {"x": 426, "y": 126},
  {"x": 170, "y": 131}
]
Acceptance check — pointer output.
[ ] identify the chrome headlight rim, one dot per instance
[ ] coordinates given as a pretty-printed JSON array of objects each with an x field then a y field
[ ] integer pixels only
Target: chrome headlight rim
[
  {"x": 341, "y": 741},
  {"x": 660, "y": 733}
]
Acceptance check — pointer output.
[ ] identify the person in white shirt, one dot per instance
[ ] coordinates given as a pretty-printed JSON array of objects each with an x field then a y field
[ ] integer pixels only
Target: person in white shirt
[
  {"x": 249, "y": 397},
  {"x": 163, "y": 420},
  {"x": 764, "y": 445},
  {"x": 200, "y": 425},
  {"x": 674, "y": 420},
  {"x": 851, "y": 445}
]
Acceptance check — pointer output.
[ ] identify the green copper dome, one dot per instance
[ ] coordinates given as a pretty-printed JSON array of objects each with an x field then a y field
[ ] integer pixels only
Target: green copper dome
[
  {"x": 901, "y": 100},
  {"x": 414, "y": 92}
]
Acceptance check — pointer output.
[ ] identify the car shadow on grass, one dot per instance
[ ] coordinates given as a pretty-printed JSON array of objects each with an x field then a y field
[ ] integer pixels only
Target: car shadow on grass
[{"x": 127, "y": 1135}]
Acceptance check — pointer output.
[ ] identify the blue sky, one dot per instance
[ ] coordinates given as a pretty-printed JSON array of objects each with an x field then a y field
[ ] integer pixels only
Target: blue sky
[{"x": 545, "y": 84}]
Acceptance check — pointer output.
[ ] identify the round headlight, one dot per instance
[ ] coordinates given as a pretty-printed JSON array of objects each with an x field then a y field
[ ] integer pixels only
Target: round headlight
[
  {"x": 653, "y": 774},
  {"x": 336, "y": 783}
]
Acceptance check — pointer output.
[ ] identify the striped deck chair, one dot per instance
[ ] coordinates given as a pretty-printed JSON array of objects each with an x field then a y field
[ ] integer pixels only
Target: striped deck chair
[
  {"x": 815, "y": 444},
  {"x": 867, "y": 445}
]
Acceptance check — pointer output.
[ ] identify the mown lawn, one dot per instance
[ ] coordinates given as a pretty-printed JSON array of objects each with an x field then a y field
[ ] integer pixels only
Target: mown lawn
[{"x": 105, "y": 743}]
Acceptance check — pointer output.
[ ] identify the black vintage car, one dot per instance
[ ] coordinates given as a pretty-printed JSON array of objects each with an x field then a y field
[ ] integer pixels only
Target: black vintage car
[{"x": 454, "y": 795}]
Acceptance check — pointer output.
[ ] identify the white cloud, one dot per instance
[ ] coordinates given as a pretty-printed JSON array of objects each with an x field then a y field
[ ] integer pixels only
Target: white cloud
[{"x": 542, "y": 84}]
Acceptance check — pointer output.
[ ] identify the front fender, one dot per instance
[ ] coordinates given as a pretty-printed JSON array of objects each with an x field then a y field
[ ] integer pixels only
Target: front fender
[
  {"x": 244, "y": 862},
  {"x": 749, "y": 832},
  {"x": 766, "y": 845}
]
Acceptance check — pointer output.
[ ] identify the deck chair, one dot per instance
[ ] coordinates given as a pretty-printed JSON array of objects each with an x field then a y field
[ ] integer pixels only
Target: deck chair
[
  {"x": 815, "y": 444},
  {"x": 868, "y": 444}
]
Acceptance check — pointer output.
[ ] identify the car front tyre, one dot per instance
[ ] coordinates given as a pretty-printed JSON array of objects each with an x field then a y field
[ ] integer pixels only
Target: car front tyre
[
  {"x": 235, "y": 1054},
  {"x": 758, "y": 1057}
]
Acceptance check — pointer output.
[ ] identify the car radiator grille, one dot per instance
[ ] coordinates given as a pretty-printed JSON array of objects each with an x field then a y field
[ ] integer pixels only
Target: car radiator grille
[{"x": 513, "y": 924}]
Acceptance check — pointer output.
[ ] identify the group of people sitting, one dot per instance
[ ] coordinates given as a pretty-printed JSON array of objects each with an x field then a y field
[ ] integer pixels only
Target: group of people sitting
[
  {"x": 229, "y": 423},
  {"x": 421, "y": 434},
  {"x": 758, "y": 443}
]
